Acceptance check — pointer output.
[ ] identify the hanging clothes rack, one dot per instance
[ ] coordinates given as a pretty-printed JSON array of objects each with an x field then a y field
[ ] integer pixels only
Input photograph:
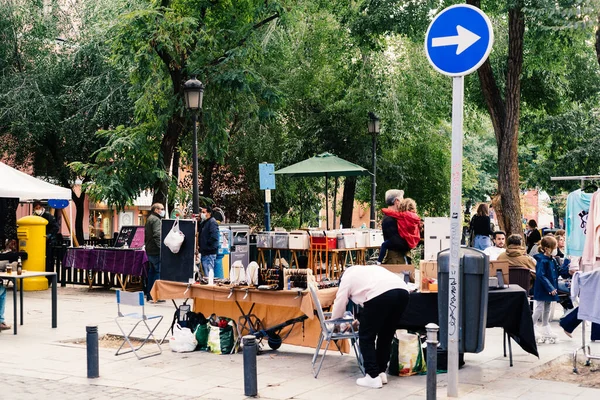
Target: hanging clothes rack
[
  {"x": 582, "y": 178},
  {"x": 585, "y": 348}
]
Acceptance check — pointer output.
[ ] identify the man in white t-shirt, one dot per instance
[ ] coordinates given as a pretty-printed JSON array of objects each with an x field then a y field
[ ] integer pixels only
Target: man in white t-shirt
[{"x": 499, "y": 239}]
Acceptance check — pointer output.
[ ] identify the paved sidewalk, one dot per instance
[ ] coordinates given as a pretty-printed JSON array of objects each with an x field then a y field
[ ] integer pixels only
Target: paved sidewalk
[{"x": 42, "y": 363}]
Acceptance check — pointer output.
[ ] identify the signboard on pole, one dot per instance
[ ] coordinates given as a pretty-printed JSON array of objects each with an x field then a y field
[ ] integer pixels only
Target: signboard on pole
[
  {"x": 266, "y": 176},
  {"x": 458, "y": 41}
]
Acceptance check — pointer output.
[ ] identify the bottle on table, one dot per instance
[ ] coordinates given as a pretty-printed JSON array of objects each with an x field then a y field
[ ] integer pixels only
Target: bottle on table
[{"x": 19, "y": 266}]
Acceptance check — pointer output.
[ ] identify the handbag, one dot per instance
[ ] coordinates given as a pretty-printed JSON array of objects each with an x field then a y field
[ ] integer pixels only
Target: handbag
[
  {"x": 407, "y": 355},
  {"x": 222, "y": 335},
  {"x": 174, "y": 238},
  {"x": 182, "y": 340}
]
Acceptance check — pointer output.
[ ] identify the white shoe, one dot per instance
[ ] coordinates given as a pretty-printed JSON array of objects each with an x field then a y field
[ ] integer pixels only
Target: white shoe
[
  {"x": 367, "y": 381},
  {"x": 383, "y": 377}
]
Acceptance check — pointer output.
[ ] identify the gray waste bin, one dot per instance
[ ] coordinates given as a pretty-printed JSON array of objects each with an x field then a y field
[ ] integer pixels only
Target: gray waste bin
[{"x": 474, "y": 282}]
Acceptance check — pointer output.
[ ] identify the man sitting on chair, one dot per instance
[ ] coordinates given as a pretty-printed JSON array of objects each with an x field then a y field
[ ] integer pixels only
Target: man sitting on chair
[
  {"x": 499, "y": 238},
  {"x": 383, "y": 296}
]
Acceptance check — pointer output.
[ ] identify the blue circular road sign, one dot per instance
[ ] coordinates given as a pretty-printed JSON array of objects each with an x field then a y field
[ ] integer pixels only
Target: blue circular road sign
[{"x": 459, "y": 40}]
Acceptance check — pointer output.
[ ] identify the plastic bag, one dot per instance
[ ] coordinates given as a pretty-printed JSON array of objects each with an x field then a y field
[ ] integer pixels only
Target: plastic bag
[
  {"x": 223, "y": 337},
  {"x": 182, "y": 340},
  {"x": 407, "y": 355},
  {"x": 174, "y": 238}
]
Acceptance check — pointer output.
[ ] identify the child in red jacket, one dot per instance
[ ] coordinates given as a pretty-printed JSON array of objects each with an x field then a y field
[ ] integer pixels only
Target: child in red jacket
[{"x": 408, "y": 226}]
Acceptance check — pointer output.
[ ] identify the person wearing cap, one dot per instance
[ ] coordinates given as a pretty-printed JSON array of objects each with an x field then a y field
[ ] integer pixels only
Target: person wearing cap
[{"x": 209, "y": 240}]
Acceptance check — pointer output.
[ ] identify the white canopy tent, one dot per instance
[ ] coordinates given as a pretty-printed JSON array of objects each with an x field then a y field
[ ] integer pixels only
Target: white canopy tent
[{"x": 19, "y": 185}]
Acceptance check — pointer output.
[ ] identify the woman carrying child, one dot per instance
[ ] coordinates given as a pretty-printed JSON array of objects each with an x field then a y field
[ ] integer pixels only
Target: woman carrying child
[
  {"x": 408, "y": 226},
  {"x": 545, "y": 288}
]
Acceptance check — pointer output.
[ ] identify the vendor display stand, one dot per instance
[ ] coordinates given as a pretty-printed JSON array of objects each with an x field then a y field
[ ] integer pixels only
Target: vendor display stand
[{"x": 272, "y": 307}]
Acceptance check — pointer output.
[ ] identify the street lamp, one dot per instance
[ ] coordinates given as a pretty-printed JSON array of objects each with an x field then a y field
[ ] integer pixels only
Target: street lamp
[
  {"x": 374, "y": 131},
  {"x": 194, "y": 92}
]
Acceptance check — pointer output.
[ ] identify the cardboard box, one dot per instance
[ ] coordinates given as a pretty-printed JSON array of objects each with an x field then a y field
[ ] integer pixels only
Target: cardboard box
[
  {"x": 496, "y": 265},
  {"x": 400, "y": 269},
  {"x": 428, "y": 269}
]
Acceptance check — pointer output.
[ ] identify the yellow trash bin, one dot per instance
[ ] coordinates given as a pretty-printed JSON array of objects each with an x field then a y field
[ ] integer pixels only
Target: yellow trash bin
[{"x": 31, "y": 232}]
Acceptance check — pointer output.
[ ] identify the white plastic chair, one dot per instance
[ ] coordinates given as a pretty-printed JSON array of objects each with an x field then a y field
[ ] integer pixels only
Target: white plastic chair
[
  {"x": 328, "y": 334},
  {"x": 136, "y": 299}
]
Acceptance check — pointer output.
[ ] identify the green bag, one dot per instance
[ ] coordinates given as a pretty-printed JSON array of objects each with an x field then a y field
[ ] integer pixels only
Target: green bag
[
  {"x": 202, "y": 332},
  {"x": 222, "y": 340}
]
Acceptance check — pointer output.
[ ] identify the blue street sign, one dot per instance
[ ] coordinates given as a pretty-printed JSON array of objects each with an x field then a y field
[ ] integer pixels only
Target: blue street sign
[
  {"x": 459, "y": 40},
  {"x": 58, "y": 204},
  {"x": 266, "y": 176}
]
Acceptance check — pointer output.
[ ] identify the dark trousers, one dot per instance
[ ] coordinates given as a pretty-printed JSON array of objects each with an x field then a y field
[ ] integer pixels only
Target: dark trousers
[
  {"x": 153, "y": 274},
  {"x": 571, "y": 321},
  {"x": 378, "y": 321}
]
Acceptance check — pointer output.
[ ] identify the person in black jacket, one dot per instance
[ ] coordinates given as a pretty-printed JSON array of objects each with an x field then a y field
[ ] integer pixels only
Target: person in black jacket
[
  {"x": 397, "y": 247},
  {"x": 152, "y": 233},
  {"x": 209, "y": 240},
  {"x": 533, "y": 234},
  {"x": 481, "y": 228}
]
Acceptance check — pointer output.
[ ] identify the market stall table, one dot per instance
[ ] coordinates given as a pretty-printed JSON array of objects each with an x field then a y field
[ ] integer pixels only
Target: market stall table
[
  {"x": 29, "y": 274},
  {"x": 272, "y": 307},
  {"x": 507, "y": 308},
  {"x": 125, "y": 263}
]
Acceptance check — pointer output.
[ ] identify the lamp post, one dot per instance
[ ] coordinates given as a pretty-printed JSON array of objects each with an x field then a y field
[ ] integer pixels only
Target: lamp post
[
  {"x": 374, "y": 131},
  {"x": 194, "y": 92}
]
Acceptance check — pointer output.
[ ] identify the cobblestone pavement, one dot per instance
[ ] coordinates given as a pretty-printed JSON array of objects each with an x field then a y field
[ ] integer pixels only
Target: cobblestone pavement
[{"x": 26, "y": 388}]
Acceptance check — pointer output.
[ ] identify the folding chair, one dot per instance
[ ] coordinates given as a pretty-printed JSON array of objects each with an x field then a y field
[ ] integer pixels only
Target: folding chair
[
  {"x": 135, "y": 299},
  {"x": 328, "y": 334}
]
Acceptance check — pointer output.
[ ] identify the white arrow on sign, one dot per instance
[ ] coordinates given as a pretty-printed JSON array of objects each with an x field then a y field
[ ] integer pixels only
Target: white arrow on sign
[{"x": 463, "y": 40}]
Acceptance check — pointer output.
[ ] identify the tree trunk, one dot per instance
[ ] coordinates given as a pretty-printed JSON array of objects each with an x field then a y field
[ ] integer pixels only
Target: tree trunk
[
  {"x": 598, "y": 39},
  {"x": 335, "y": 190},
  {"x": 79, "y": 214},
  {"x": 348, "y": 201},
  {"x": 505, "y": 116},
  {"x": 207, "y": 179},
  {"x": 167, "y": 147}
]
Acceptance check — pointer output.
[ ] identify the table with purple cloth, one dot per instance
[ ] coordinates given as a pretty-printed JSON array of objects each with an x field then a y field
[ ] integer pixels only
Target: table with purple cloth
[{"x": 124, "y": 263}]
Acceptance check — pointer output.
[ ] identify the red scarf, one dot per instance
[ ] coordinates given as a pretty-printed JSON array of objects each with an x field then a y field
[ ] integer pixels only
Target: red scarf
[{"x": 408, "y": 225}]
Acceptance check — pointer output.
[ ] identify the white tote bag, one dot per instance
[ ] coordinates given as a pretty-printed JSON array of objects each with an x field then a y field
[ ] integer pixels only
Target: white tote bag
[
  {"x": 174, "y": 238},
  {"x": 182, "y": 340}
]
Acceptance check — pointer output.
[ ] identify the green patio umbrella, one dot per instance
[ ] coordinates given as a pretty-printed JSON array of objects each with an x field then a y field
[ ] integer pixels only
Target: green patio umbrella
[{"x": 325, "y": 164}]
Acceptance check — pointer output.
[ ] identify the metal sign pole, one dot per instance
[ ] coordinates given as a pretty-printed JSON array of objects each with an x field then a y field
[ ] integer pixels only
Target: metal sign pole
[{"x": 455, "y": 234}]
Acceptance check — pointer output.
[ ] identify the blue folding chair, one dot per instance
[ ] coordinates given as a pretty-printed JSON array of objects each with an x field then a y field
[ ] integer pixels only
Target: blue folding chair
[{"x": 136, "y": 299}]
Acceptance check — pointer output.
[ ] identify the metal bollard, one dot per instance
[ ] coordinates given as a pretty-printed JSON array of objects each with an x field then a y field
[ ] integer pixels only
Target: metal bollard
[
  {"x": 250, "y": 382},
  {"x": 432, "y": 342},
  {"x": 91, "y": 341}
]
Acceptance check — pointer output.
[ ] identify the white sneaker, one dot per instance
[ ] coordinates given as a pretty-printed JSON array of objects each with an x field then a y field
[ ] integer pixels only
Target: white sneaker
[
  {"x": 367, "y": 381},
  {"x": 383, "y": 377}
]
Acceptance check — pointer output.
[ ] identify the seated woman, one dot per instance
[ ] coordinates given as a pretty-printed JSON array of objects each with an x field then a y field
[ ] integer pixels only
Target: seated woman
[{"x": 11, "y": 252}]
